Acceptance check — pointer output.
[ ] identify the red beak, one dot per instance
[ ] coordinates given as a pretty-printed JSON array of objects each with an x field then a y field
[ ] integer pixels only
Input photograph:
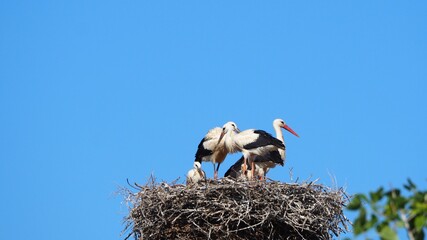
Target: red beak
[{"x": 290, "y": 130}]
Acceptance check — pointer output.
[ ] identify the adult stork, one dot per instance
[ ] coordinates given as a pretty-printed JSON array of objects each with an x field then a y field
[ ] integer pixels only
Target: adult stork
[
  {"x": 276, "y": 157},
  {"x": 251, "y": 142},
  {"x": 212, "y": 149},
  {"x": 269, "y": 160},
  {"x": 196, "y": 174}
]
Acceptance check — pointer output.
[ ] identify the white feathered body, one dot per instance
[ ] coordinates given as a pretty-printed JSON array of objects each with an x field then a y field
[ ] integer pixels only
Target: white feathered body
[{"x": 196, "y": 174}]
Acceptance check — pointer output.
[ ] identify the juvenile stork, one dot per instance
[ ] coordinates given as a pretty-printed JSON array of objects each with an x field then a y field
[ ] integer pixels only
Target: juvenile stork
[
  {"x": 251, "y": 142},
  {"x": 196, "y": 174},
  {"x": 212, "y": 149}
]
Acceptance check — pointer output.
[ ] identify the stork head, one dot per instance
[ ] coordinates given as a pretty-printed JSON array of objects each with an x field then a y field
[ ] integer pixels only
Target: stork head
[
  {"x": 228, "y": 127},
  {"x": 280, "y": 123},
  {"x": 197, "y": 165}
]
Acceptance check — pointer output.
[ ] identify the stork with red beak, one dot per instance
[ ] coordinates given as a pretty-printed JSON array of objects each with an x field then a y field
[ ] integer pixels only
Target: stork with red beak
[{"x": 277, "y": 157}]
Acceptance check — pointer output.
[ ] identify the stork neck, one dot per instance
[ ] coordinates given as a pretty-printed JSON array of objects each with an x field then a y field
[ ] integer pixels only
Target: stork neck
[
  {"x": 279, "y": 133},
  {"x": 229, "y": 142}
]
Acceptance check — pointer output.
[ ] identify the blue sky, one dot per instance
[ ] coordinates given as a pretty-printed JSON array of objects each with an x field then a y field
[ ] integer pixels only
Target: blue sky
[{"x": 92, "y": 93}]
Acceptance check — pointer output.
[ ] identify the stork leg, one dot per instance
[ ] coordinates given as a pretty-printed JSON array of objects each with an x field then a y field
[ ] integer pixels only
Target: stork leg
[
  {"x": 264, "y": 175},
  {"x": 216, "y": 171},
  {"x": 253, "y": 168},
  {"x": 244, "y": 165}
]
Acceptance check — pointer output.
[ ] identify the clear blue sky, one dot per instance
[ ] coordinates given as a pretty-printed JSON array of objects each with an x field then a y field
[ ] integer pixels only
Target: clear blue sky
[{"x": 94, "y": 92}]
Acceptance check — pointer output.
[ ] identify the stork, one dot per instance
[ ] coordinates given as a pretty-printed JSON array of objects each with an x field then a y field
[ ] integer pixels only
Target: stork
[
  {"x": 278, "y": 156},
  {"x": 251, "y": 142},
  {"x": 262, "y": 165},
  {"x": 269, "y": 160},
  {"x": 212, "y": 149},
  {"x": 235, "y": 171},
  {"x": 196, "y": 174}
]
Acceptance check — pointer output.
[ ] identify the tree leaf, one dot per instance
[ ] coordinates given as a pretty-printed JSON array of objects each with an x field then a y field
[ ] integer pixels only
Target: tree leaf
[
  {"x": 387, "y": 233},
  {"x": 377, "y": 196},
  {"x": 419, "y": 208},
  {"x": 420, "y": 222},
  {"x": 371, "y": 223},
  {"x": 393, "y": 193},
  {"x": 411, "y": 185},
  {"x": 390, "y": 212},
  {"x": 420, "y": 197},
  {"x": 400, "y": 202},
  {"x": 356, "y": 202},
  {"x": 359, "y": 225}
]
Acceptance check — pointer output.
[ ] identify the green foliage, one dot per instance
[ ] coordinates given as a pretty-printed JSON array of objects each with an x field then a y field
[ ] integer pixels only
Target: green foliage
[
  {"x": 385, "y": 212},
  {"x": 387, "y": 233}
]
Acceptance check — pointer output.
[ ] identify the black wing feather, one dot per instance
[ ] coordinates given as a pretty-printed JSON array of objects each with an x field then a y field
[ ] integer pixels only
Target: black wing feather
[
  {"x": 264, "y": 139},
  {"x": 202, "y": 152},
  {"x": 273, "y": 156},
  {"x": 235, "y": 170}
]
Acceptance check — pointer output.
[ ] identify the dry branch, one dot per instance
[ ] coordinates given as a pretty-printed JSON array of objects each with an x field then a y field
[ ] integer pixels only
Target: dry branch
[{"x": 227, "y": 209}]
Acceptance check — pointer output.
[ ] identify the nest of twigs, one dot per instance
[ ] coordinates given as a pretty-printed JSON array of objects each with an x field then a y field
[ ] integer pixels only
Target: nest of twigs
[{"x": 229, "y": 209}]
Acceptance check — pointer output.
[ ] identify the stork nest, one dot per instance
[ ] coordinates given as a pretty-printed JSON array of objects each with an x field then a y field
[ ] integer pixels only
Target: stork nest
[{"x": 229, "y": 209}]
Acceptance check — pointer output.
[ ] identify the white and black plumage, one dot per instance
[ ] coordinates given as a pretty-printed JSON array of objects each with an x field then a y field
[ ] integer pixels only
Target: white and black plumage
[
  {"x": 269, "y": 159},
  {"x": 235, "y": 171},
  {"x": 212, "y": 149},
  {"x": 196, "y": 174},
  {"x": 262, "y": 165},
  {"x": 276, "y": 157},
  {"x": 251, "y": 143}
]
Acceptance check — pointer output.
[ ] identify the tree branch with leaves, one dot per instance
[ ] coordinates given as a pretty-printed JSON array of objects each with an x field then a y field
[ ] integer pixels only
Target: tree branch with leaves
[{"x": 386, "y": 212}]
